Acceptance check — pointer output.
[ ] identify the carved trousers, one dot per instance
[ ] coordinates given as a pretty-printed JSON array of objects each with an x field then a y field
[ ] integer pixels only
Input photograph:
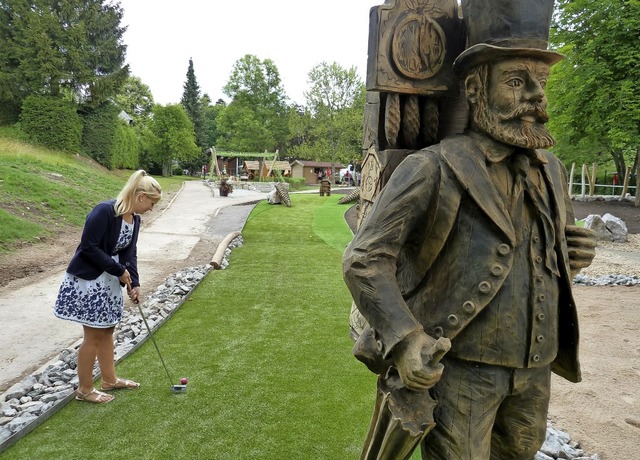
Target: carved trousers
[{"x": 488, "y": 412}]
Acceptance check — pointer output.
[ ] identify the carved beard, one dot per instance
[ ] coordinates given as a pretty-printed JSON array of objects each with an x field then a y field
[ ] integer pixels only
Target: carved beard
[{"x": 509, "y": 128}]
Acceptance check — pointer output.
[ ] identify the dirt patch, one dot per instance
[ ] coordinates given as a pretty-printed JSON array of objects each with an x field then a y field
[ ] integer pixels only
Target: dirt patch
[
  {"x": 33, "y": 261},
  {"x": 625, "y": 210}
]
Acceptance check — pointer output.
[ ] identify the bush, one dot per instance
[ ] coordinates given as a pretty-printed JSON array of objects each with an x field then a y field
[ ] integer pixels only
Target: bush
[
  {"x": 125, "y": 147},
  {"x": 295, "y": 183},
  {"x": 51, "y": 122},
  {"x": 98, "y": 137},
  {"x": 9, "y": 113}
]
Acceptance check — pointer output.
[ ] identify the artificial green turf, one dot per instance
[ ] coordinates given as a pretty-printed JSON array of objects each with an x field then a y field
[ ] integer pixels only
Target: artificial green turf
[{"x": 265, "y": 346}]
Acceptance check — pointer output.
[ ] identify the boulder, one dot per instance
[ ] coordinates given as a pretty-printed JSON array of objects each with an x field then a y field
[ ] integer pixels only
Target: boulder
[
  {"x": 595, "y": 223},
  {"x": 616, "y": 227}
]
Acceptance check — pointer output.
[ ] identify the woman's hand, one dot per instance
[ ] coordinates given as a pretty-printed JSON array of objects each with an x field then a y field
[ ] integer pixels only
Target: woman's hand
[
  {"x": 134, "y": 294},
  {"x": 125, "y": 279}
]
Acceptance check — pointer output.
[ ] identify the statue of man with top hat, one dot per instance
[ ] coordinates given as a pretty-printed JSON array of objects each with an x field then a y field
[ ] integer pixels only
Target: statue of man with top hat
[{"x": 469, "y": 252}]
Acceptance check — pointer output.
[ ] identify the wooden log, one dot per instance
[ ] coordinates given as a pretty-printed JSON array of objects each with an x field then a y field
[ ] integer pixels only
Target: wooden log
[{"x": 216, "y": 261}]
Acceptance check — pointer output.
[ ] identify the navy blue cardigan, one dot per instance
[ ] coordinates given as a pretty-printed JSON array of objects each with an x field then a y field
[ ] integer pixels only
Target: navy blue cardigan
[{"x": 97, "y": 245}]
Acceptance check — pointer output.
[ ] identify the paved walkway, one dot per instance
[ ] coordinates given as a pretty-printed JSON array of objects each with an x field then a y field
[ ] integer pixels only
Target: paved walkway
[{"x": 31, "y": 336}]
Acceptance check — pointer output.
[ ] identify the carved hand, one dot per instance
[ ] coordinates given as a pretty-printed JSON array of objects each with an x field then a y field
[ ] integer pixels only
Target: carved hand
[
  {"x": 417, "y": 359},
  {"x": 581, "y": 243}
]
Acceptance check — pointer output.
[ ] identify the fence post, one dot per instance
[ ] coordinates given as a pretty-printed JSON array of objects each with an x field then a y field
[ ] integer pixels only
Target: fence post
[
  {"x": 592, "y": 181},
  {"x": 573, "y": 170},
  {"x": 584, "y": 174},
  {"x": 625, "y": 184}
]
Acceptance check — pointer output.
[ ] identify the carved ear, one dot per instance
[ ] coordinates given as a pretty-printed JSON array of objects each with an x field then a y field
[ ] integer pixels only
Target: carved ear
[{"x": 472, "y": 87}]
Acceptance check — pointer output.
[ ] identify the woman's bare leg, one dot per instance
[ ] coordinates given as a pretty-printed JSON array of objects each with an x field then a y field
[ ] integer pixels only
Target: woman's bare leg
[
  {"x": 87, "y": 353},
  {"x": 105, "y": 356}
]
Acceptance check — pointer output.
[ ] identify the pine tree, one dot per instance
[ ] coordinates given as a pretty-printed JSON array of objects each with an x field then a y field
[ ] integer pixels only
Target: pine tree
[
  {"x": 192, "y": 103},
  {"x": 62, "y": 49}
]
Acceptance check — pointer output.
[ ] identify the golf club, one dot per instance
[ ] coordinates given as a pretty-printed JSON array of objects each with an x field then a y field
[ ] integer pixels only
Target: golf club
[{"x": 174, "y": 388}]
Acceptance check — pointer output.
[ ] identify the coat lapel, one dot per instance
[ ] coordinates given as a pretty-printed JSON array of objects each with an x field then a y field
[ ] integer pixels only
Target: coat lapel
[{"x": 467, "y": 162}]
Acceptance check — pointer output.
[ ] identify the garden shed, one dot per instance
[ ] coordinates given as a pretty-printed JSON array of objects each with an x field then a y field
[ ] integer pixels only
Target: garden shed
[{"x": 310, "y": 169}]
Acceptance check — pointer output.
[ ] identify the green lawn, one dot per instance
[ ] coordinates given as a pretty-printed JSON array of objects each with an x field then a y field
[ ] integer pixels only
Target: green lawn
[{"x": 265, "y": 346}]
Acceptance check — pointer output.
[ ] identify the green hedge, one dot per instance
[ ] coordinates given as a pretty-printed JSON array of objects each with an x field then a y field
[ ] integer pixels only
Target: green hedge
[
  {"x": 125, "y": 147},
  {"x": 109, "y": 140},
  {"x": 98, "y": 137},
  {"x": 52, "y": 122},
  {"x": 9, "y": 113}
]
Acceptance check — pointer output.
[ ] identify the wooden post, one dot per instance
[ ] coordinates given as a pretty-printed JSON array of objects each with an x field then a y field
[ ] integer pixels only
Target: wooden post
[
  {"x": 592, "y": 181},
  {"x": 584, "y": 178},
  {"x": 573, "y": 170},
  {"x": 636, "y": 202},
  {"x": 214, "y": 160},
  {"x": 273, "y": 163},
  {"x": 625, "y": 183}
]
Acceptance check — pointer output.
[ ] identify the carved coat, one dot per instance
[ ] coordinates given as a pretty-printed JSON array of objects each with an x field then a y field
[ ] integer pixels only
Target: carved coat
[{"x": 413, "y": 265}]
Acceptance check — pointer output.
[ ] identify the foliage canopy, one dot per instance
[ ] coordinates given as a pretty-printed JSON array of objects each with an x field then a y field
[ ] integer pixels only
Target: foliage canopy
[{"x": 595, "y": 91}]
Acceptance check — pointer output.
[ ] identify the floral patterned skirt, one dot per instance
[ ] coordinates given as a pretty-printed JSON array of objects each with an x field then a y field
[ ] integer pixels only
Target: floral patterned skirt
[{"x": 97, "y": 303}]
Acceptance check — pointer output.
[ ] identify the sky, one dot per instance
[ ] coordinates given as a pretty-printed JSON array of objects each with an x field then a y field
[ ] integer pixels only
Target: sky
[{"x": 296, "y": 35}]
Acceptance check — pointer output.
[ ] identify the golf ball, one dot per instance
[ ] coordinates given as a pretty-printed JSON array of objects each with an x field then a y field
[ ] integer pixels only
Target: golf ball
[{"x": 183, "y": 380}]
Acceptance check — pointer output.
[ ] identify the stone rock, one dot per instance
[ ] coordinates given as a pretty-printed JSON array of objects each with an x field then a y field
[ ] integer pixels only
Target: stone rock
[
  {"x": 20, "y": 421},
  {"x": 273, "y": 197},
  {"x": 595, "y": 223},
  {"x": 617, "y": 227},
  {"x": 20, "y": 389}
]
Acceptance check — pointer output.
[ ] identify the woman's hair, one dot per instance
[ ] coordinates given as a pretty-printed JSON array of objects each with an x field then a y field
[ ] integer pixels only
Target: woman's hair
[{"x": 139, "y": 182}]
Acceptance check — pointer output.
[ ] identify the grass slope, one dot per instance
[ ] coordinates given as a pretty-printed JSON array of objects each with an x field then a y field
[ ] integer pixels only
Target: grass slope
[
  {"x": 43, "y": 190},
  {"x": 265, "y": 346}
]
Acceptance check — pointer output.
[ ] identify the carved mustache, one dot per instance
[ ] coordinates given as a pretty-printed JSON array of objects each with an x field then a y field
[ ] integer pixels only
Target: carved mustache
[{"x": 533, "y": 112}]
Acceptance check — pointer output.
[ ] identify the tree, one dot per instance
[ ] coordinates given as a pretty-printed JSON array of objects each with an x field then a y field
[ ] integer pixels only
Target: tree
[
  {"x": 336, "y": 104},
  {"x": 136, "y": 99},
  {"x": 192, "y": 103},
  {"x": 72, "y": 48},
  {"x": 595, "y": 92},
  {"x": 257, "y": 116},
  {"x": 174, "y": 136},
  {"x": 211, "y": 114}
]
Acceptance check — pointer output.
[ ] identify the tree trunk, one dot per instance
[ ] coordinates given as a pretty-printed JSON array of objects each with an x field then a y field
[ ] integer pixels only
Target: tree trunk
[{"x": 618, "y": 160}]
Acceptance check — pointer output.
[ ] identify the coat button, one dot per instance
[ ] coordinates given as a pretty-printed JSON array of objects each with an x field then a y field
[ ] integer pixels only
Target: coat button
[
  {"x": 503, "y": 249},
  {"x": 438, "y": 332},
  {"x": 535, "y": 358},
  {"x": 540, "y": 316},
  {"x": 469, "y": 307},
  {"x": 484, "y": 287},
  {"x": 540, "y": 339},
  {"x": 538, "y": 259},
  {"x": 497, "y": 270},
  {"x": 541, "y": 297},
  {"x": 453, "y": 320},
  {"x": 379, "y": 345},
  {"x": 536, "y": 239}
]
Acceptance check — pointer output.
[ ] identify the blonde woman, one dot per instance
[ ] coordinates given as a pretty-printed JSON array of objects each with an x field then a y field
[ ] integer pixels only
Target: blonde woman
[{"x": 91, "y": 291}]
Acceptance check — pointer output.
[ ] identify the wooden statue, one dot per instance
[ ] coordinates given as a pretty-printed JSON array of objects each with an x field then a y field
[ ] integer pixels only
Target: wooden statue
[{"x": 462, "y": 266}]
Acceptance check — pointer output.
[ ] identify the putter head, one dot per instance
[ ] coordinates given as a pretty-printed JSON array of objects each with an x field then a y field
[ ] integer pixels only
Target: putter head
[{"x": 179, "y": 388}]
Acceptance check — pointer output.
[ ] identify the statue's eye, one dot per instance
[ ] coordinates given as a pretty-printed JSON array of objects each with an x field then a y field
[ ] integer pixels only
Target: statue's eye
[
  {"x": 543, "y": 83},
  {"x": 515, "y": 82}
]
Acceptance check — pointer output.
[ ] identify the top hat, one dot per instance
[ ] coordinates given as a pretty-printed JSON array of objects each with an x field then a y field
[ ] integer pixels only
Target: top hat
[{"x": 498, "y": 29}]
